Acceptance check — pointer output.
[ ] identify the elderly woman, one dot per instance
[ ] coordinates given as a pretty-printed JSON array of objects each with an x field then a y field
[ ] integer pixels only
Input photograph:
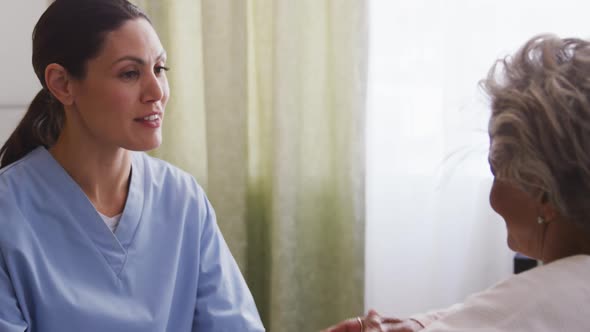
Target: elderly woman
[{"x": 540, "y": 158}]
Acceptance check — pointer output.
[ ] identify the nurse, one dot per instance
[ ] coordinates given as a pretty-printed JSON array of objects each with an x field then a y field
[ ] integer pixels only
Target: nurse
[{"x": 95, "y": 234}]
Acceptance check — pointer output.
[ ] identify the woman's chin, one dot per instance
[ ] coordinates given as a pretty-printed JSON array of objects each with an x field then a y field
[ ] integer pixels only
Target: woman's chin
[
  {"x": 145, "y": 145},
  {"x": 511, "y": 244}
]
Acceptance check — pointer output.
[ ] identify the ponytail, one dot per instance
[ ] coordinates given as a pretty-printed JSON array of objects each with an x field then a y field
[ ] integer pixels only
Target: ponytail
[{"x": 40, "y": 126}]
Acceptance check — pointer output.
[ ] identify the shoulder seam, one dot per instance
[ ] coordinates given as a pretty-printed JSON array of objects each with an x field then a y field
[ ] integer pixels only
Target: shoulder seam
[{"x": 16, "y": 163}]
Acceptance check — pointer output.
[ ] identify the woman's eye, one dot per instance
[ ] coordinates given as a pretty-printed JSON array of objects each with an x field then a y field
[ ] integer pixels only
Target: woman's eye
[
  {"x": 129, "y": 75},
  {"x": 161, "y": 69}
]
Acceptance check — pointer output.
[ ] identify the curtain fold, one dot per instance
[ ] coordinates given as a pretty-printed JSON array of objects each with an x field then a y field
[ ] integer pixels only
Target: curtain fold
[
  {"x": 267, "y": 110},
  {"x": 178, "y": 24}
]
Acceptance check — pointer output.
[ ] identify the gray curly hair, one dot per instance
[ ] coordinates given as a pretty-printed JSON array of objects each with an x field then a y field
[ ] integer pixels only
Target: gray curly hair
[{"x": 540, "y": 123}]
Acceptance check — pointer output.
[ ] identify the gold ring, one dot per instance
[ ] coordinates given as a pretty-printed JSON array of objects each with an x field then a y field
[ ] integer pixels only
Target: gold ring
[{"x": 358, "y": 319}]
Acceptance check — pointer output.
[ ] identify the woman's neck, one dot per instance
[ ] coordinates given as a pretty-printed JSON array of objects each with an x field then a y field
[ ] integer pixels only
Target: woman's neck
[
  {"x": 102, "y": 173},
  {"x": 564, "y": 238}
]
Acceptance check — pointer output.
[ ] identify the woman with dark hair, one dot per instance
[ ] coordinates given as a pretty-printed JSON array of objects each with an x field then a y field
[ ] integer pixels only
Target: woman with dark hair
[
  {"x": 540, "y": 158},
  {"x": 96, "y": 235}
]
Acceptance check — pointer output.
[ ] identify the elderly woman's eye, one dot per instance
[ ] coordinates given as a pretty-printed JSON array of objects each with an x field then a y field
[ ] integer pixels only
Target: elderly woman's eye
[{"x": 492, "y": 168}]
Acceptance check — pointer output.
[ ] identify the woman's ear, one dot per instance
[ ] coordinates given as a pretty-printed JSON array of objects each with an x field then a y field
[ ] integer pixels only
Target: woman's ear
[
  {"x": 59, "y": 83},
  {"x": 548, "y": 211}
]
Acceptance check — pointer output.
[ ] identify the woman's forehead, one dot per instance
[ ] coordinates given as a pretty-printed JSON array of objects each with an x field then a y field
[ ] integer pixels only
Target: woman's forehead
[{"x": 136, "y": 39}]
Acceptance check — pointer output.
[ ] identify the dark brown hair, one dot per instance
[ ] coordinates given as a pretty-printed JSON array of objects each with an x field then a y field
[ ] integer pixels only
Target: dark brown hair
[{"x": 69, "y": 33}]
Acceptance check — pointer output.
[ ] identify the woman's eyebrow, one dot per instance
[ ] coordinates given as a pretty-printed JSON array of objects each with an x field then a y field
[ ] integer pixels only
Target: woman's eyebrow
[{"x": 138, "y": 59}]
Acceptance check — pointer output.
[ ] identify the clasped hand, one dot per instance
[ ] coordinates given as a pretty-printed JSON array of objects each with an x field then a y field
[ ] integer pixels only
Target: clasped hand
[{"x": 373, "y": 322}]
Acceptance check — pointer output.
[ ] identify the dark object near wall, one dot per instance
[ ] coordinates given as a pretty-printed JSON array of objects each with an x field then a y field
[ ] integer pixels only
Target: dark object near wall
[{"x": 523, "y": 263}]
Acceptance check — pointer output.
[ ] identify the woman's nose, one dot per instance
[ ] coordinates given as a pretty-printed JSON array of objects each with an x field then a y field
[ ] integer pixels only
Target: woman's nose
[{"x": 153, "y": 89}]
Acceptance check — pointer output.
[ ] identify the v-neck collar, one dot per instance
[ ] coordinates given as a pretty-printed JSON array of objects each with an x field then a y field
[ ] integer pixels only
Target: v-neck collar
[{"x": 112, "y": 246}]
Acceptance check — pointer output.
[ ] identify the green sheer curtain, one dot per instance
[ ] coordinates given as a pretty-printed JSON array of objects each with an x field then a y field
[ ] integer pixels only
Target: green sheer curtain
[{"x": 267, "y": 111}]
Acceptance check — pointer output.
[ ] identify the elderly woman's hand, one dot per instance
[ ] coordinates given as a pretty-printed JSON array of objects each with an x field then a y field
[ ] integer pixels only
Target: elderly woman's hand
[
  {"x": 349, "y": 325},
  {"x": 373, "y": 322}
]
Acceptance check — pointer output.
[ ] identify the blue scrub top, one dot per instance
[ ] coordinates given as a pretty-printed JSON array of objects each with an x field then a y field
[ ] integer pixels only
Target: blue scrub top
[{"x": 165, "y": 268}]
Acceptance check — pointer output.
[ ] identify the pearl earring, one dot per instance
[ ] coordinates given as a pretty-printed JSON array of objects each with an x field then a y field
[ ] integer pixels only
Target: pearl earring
[{"x": 540, "y": 220}]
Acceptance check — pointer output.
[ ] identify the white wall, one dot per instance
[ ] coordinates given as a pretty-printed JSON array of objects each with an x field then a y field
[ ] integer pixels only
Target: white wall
[
  {"x": 431, "y": 235},
  {"x": 18, "y": 83}
]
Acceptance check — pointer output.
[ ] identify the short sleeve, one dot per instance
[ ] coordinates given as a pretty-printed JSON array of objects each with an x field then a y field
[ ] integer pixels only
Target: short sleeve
[{"x": 11, "y": 318}]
